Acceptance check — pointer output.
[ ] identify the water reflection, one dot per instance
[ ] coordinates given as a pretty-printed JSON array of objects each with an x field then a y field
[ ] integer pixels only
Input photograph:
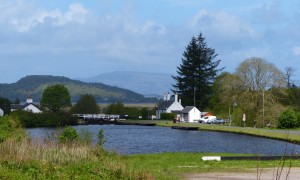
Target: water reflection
[{"x": 145, "y": 139}]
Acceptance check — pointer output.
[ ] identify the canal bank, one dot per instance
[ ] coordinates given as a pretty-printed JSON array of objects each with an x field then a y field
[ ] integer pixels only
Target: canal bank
[{"x": 292, "y": 136}]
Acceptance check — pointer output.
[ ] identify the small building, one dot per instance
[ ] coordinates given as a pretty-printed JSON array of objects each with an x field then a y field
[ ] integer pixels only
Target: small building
[
  {"x": 1, "y": 112},
  {"x": 28, "y": 106},
  {"x": 190, "y": 114},
  {"x": 169, "y": 105}
]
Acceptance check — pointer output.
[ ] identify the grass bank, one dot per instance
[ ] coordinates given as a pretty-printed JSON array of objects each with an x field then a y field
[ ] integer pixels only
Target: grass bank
[
  {"x": 27, "y": 159},
  {"x": 178, "y": 165},
  {"x": 23, "y": 158},
  {"x": 290, "y": 135}
]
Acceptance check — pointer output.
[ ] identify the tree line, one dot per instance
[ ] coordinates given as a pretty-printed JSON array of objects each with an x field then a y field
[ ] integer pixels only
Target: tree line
[
  {"x": 57, "y": 109},
  {"x": 257, "y": 88}
]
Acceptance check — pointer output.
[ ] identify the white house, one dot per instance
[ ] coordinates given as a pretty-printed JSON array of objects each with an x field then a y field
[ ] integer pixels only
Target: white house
[
  {"x": 1, "y": 112},
  {"x": 169, "y": 105},
  {"x": 28, "y": 106},
  {"x": 190, "y": 114}
]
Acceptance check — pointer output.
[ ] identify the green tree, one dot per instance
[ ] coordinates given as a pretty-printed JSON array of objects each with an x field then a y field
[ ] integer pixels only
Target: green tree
[
  {"x": 196, "y": 73},
  {"x": 262, "y": 85},
  {"x": 288, "y": 119},
  {"x": 55, "y": 98},
  {"x": 145, "y": 113},
  {"x": 293, "y": 98},
  {"x": 86, "y": 105},
  {"x": 116, "y": 108},
  {"x": 5, "y": 105},
  {"x": 68, "y": 135}
]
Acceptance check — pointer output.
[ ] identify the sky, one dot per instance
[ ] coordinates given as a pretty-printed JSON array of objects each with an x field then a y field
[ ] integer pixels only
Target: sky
[{"x": 85, "y": 38}]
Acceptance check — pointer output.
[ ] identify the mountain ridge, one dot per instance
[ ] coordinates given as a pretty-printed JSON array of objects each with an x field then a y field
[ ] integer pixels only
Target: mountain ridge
[
  {"x": 148, "y": 84},
  {"x": 34, "y": 85}
]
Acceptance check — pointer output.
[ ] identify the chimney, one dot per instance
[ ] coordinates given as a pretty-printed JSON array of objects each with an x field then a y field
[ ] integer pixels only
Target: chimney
[
  {"x": 176, "y": 97},
  {"x": 29, "y": 100},
  {"x": 168, "y": 97},
  {"x": 165, "y": 97}
]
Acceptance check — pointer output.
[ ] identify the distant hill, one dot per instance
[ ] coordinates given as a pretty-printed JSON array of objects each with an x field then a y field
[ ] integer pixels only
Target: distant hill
[
  {"x": 148, "y": 84},
  {"x": 34, "y": 86}
]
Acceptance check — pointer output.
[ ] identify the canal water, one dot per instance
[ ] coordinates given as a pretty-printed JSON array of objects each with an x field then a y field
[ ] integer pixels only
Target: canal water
[{"x": 128, "y": 139}]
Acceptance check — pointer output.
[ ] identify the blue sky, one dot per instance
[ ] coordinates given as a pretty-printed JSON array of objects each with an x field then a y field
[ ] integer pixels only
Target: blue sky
[{"x": 79, "y": 39}]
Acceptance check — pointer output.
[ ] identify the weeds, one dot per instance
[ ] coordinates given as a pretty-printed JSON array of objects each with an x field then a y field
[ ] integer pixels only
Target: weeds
[{"x": 66, "y": 155}]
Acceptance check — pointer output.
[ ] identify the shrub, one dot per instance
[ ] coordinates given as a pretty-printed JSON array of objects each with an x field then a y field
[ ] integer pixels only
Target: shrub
[
  {"x": 85, "y": 136},
  {"x": 101, "y": 139},
  {"x": 45, "y": 119},
  {"x": 10, "y": 128},
  {"x": 167, "y": 116},
  {"x": 288, "y": 119},
  {"x": 68, "y": 135}
]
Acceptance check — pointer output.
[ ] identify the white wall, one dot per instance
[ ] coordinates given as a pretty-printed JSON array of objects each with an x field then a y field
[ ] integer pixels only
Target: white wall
[
  {"x": 192, "y": 116},
  {"x": 32, "y": 108},
  {"x": 1, "y": 112}
]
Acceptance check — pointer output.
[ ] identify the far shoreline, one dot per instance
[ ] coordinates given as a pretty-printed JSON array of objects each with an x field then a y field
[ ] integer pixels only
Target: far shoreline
[{"x": 277, "y": 134}]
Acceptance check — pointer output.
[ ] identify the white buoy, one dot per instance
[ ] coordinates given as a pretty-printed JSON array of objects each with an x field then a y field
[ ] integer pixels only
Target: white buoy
[{"x": 211, "y": 158}]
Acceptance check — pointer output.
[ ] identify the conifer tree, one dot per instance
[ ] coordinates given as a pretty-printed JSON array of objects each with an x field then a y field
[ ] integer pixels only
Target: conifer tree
[{"x": 196, "y": 73}]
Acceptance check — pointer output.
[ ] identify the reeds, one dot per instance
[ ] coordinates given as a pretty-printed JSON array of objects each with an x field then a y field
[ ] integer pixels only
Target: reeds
[
  {"x": 45, "y": 152},
  {"x": 91, "y": 160}
]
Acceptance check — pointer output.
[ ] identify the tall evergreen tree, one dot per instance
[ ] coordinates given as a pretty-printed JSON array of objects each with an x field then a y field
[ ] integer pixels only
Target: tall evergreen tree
[{"x": 196, "y": 73}]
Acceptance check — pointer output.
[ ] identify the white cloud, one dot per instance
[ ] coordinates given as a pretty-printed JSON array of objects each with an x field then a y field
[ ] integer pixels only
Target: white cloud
[
  {"x": 296, "y": 51},
  {"x": 23, "y": 21},
  {"x": 222, "y": 24},
  {"x": 268, "y": 12},
  {"x": 76, "y": 13}
]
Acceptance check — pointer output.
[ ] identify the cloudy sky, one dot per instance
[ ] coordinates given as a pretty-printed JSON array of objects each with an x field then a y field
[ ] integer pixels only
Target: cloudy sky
[{"x": 84, "y": 38}]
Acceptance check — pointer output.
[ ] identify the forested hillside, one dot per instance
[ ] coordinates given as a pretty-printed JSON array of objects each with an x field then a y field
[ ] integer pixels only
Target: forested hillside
[{"x": 34, "y": 86}]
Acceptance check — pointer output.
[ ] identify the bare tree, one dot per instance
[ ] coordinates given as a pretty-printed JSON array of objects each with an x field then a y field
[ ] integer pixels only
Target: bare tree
[
  {"x": 258, "y": 75},
  {"x": 289, "y": 72},
  {"x": 259, "y": 79}
]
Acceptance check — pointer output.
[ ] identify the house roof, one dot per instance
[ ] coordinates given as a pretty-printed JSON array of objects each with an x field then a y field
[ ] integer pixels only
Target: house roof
[
  {"x": 16, "y": 106},
  {"x": 22, "y": 106},
  {"x": 165, "y": 105},
  {"x": 187, "y": 109}
]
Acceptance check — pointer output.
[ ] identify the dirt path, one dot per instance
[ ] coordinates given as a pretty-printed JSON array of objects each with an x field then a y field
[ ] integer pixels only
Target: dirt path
[{"x": 267, "y": 174}]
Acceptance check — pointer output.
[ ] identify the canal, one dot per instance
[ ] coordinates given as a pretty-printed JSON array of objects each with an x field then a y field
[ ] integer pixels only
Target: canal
[{"x": 128, "y": 139}]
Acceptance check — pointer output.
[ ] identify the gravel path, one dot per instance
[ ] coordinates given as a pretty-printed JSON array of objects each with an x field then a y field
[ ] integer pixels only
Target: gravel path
[{"x": 267, "y": 174}]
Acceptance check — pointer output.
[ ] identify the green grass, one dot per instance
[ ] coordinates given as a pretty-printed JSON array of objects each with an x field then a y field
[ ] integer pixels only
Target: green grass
[
  {"x": 29, "y": 159},
  {"x": 177, "y": 165},
  {"x": 35, "y": 159},
  {"x": 285, "y": 135},
  {"x": 22, "y": 158}
]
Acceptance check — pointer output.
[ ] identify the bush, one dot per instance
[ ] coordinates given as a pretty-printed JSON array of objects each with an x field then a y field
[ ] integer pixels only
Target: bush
[
  {"x": 288, "y": 119},
  {"x": 101, "y": 139},
  {"x": 167, "y": 116},
  {"x": 45, "y": 119},
  {"x": 68, "y": 135},
  {"x": 10, "y": 128}
]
